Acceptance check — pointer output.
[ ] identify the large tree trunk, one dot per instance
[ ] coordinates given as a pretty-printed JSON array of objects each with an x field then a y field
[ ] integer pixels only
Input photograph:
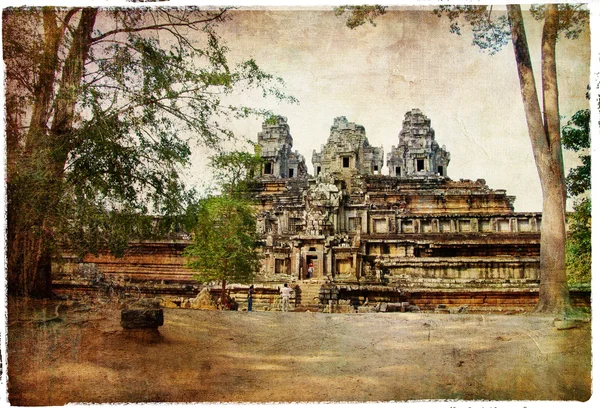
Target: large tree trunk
[
  {"x": 28, "y": 260},
  {"x": 544, "y": 133},
  {"x": 223, "y": 293},
  {"x": 35, "y": 185}
]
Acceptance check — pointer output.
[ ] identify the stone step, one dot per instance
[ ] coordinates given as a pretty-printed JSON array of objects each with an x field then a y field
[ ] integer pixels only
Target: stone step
[{"x": 308, "y": 293}]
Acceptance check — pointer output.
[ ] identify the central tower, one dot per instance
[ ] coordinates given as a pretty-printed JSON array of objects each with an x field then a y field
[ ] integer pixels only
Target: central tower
[
  {"x": 417, "y": 154},
  {"x": 347, "y": 151}
]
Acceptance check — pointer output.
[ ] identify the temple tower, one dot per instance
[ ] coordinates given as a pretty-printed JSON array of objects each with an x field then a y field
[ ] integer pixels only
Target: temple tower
[
  {"x": 417, "y": 154},
  {"x": 275, "y": 143},
  {"x": 347, "y": 151}
]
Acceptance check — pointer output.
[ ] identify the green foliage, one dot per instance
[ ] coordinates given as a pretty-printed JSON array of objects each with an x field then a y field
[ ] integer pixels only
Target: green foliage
[
  {"x": 153, "y": 80},
  {"x": 359, "y": 15},
  {"x": 491, "y": 31},
  {"x": 579, "y": 243},
  {"x": 576, "y": 137},
  {"x": 225, "y": 241},
  {"x": 572, "y": 18},
  {"x": 235, "y": 171}
]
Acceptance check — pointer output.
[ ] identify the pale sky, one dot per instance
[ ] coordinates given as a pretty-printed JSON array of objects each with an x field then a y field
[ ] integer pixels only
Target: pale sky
[{"x": 373, "y": 75}]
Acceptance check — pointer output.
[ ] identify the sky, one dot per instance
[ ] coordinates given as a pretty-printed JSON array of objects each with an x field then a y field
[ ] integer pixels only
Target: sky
[{"x": 374, "y": 75}]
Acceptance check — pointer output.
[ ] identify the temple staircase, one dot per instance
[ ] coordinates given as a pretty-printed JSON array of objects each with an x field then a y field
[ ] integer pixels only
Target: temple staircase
[{"x": 307, "y": 294}]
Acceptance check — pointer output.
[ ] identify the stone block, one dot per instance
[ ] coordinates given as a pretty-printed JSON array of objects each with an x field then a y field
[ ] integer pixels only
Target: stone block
[
  {"x": 394, "y": 307},
  {"x": 344, "y": 309},
  {"x": 141, "y": 318},
  {"x": 459, "y": 310},
  {"x": 567, "y": 324},
  {"x": 168, "y": 304},
  {"x": 441, "y": 309},
  {"x": 203, "y": 300}
]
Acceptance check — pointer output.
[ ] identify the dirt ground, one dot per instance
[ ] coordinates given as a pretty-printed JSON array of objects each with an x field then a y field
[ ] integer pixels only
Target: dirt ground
[{"x": 216, "y": 356}]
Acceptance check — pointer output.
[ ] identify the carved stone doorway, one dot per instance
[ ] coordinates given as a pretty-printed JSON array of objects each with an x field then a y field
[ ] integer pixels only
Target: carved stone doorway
[{"x": 317, "y": 269}]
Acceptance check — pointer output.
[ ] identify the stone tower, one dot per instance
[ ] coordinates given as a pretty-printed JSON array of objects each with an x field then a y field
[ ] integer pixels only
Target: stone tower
[
  {"x": 347, "y": 151},
  {"x": 275, "y": 143},
  {"x": 417, "y": 154}
]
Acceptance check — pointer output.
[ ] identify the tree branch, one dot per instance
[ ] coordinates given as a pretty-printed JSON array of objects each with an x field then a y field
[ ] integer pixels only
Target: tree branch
[{"x": 163, "y": 26}]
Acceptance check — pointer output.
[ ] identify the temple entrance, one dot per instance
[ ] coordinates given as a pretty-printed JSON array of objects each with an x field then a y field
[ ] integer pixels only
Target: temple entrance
[{"x": 312, "y": 259}]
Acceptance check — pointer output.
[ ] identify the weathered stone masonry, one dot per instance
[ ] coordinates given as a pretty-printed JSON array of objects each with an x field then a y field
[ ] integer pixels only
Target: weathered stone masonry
[
  {"x": 411, "y": 236},
  {"x": 413, "y": 228}
]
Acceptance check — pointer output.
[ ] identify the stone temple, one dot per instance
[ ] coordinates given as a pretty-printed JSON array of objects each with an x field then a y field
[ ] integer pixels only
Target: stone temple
[
  {"x": 412, "y": 235},
  {"x": 413, "y": 227}
]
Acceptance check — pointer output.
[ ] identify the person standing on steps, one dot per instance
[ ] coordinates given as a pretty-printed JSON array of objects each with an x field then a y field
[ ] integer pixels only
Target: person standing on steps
[
  {"x": 250, "y": 293},
  {"x": 285, "y": 297},
  {"x": 311, "y": 270}
]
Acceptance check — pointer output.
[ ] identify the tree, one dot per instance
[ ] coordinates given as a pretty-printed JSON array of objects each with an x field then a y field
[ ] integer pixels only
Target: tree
[
  {"x": 235, "y": 171},
  {"x": 224, "y": 243},
  {"x": 492, "y": 33},
  {"x": 576, "y": 137},
  {"x": 101, "y": 107},
  {"x": 225, "y": 237}
]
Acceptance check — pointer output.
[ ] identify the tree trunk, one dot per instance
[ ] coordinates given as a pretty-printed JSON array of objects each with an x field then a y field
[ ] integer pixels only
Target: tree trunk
[
  {"x": 35, "y": 186},
  {"x": 223, "y": 296},
  {"x": 550, "y": 90},
  {"x": 28, "y": 261},
  {"x": 545, "y": 141}
]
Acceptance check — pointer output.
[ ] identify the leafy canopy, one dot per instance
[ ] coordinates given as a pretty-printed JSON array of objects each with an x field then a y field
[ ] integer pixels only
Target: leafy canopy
[
  {"x": 491, "y": 30},
  {"x": 225, "y": 241},
  {"x": 579, "y": 243},
  {"x": 235, "y": 171},
  {"x": 576, "y": 137},
  {"x": 359, "y": 15},
  {"x": 154, "y": 81}
]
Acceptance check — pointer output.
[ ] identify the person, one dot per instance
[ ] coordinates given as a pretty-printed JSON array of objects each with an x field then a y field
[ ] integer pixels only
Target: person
[
  {"x": 285, "y": 297},
  {"x": 250, "y": 293},
  {"x": 311, "y": 270}
]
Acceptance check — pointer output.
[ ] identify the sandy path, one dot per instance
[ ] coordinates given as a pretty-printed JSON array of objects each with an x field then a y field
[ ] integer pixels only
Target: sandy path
[{"x": 270, "y": 356}]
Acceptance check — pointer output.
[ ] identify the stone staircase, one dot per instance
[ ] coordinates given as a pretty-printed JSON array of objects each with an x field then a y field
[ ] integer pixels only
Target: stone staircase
[{"x": 307, "y": 294}]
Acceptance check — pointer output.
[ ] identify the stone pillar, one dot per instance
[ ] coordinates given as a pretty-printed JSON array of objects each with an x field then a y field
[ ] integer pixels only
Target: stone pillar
[
  {"x": 272, "y": 263},
  {"x": 513, "y": 225},
  {"x": 296, "y": 261},
  {"x": 327, "y": 261},
  {"x": 533, "y": 224},
  {"x": 474, "y": 225},
  {"x": 334, "y": 222}
]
